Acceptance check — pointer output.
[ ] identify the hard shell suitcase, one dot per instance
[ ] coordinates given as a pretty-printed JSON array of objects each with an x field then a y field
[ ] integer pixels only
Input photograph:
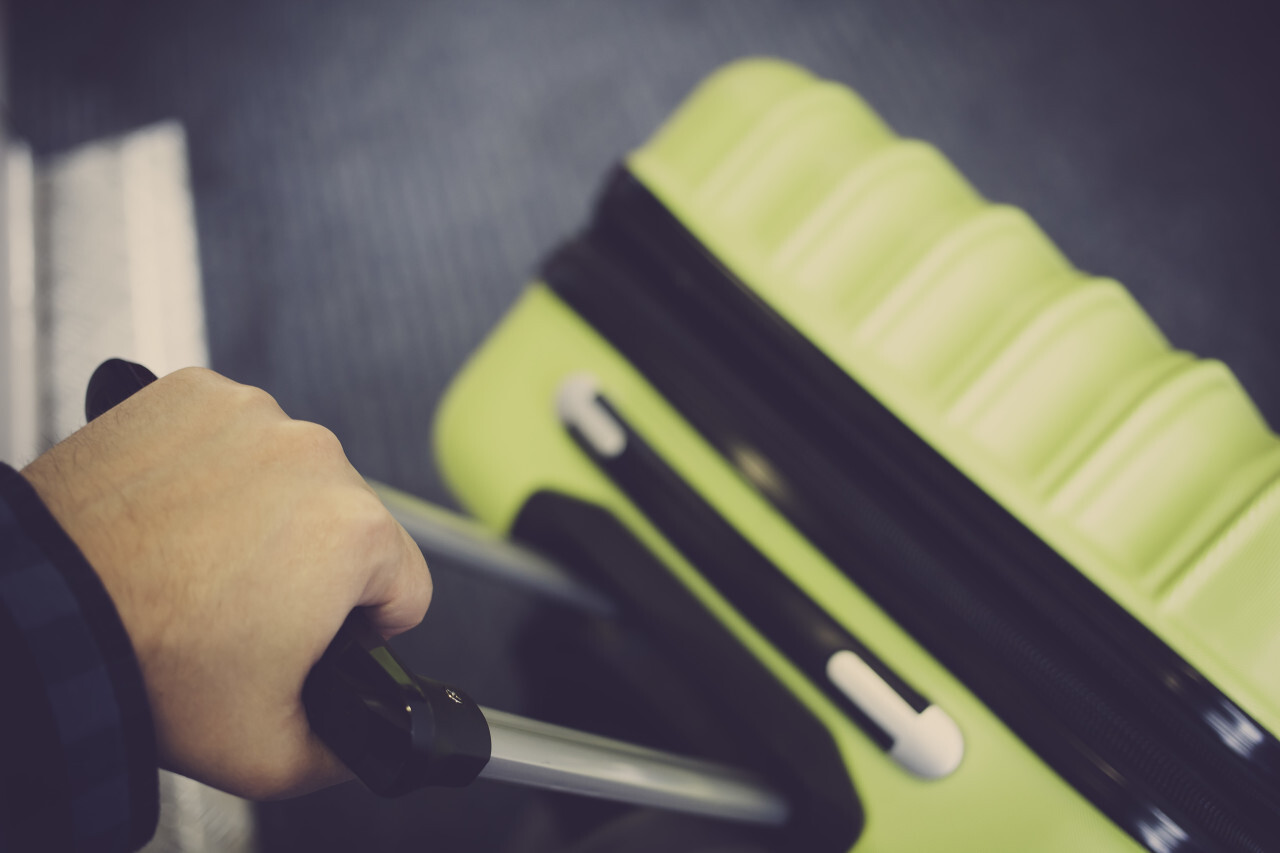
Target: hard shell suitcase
[{"x": 943, "y": 527}]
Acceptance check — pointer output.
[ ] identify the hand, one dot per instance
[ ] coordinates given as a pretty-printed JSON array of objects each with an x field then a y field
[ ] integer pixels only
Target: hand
[{"x": 234, "y": 542}]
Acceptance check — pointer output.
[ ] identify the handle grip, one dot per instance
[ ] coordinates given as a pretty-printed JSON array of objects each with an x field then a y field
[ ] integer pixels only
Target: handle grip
[
  {"x": 395, "y": 730},
  {"x": 113, "y": 382}
]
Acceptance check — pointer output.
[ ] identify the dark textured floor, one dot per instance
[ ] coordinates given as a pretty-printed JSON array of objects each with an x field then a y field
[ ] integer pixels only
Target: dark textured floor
[{"x": 375, "y": 180}]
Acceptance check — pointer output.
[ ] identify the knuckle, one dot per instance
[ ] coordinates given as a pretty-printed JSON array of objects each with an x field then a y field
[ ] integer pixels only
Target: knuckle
[
  {"x": 193, "y": 375},
  {"x": 302, "y": 445},
  {"x": 250, "y": 398},
  {"x": 424, "y": 586},
  {"x": 372, "y": 520},
  {"x": 423, "y": 589},
  {"x": 198, "y": 382},
  {"x": 413, "y": 586},
  {"x": 317, "y": 442}
]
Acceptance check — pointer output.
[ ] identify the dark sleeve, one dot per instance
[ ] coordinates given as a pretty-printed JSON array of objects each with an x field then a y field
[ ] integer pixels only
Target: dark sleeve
[{"x": 77, "y": 746}]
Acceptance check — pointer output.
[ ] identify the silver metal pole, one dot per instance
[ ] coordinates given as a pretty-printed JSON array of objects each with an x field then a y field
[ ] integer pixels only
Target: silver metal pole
[
  {"x": 452, "y": 536},
  {"x": 542, "y": 755}
]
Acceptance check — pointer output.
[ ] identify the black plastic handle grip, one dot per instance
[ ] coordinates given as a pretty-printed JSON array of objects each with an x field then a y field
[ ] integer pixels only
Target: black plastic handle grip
[
  {"x": 395, "y": 730},
  {"x": 113, "y": 382}
]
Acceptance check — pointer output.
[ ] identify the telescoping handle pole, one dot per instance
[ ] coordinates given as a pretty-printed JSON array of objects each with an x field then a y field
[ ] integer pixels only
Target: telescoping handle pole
[
  {"x": 399, "y": 732},
  {"x": 527, "y": 752}
]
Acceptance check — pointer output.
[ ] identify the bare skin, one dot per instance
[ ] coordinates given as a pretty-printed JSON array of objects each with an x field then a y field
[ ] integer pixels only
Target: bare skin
[{"x": 234, "y": 541}]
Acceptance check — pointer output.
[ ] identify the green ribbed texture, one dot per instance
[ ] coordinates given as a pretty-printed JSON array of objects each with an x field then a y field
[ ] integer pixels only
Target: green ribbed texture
[{"x": 1149, "y": 469}]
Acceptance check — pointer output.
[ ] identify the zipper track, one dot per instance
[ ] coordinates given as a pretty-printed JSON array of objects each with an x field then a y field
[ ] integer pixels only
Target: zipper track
[{"x": 990, "y": 599}]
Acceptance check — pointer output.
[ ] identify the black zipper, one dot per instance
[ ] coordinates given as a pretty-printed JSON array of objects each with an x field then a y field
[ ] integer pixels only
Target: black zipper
[{"x": 1084, "y": 683}]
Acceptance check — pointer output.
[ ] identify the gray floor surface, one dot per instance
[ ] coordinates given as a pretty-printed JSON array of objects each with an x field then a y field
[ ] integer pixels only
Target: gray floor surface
[{"x": 374, "y": 181}]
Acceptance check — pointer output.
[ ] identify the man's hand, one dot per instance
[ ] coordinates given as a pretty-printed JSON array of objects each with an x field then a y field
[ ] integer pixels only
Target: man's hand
[{"x": 234, "y": 541}]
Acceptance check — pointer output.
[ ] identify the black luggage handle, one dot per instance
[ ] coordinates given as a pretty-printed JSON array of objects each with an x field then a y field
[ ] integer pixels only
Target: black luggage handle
[{"x": 395, "y": 730}]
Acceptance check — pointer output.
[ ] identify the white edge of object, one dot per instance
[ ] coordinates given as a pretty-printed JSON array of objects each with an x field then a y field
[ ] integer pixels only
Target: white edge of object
[
  {"x": 928, "y": 743},
  {"x": 18, "y": 313},
  {"x": 119, "y": 264},
  {"x": 578, "y": 406},
  {"x": 164, "y": 264}
]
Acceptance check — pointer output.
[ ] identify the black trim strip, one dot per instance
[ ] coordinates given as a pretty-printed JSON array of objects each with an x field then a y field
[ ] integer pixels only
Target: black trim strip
[
  {"x": 1081, "y": 680},
  {"x": 758, "y": 589},
  {"x": 779, "y": 737}
]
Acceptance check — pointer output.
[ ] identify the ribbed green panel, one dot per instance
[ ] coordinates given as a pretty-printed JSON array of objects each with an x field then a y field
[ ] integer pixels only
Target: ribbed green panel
[{"x": 1152, "y": 471}]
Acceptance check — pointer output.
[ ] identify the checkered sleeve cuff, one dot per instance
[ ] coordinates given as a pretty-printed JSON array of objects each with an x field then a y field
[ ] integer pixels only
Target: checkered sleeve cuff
[{"x": 77, "y": 744}]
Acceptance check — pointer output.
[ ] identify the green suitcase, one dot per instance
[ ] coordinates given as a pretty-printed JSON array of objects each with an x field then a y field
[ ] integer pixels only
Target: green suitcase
[{"x": 941, "y": 526}]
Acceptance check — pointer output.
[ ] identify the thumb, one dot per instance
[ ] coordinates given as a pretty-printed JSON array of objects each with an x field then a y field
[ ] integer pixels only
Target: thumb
[{"x": 398, "y": 591}]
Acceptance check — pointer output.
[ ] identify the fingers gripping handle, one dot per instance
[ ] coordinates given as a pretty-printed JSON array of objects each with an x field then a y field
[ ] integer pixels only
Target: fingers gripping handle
[{"x": 396, "y": 731}]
